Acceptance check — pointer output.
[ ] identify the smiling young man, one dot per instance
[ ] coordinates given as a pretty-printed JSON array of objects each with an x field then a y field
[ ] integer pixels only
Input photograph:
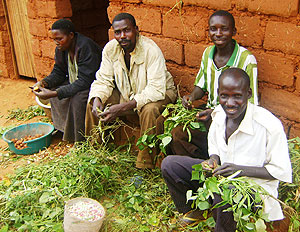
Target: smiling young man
[
  {"x": 225, "y": 53},
  {"x": 77, "y": 58},
  {"x": 243, "y": 137},
  {"x": 132, "y": 76}
]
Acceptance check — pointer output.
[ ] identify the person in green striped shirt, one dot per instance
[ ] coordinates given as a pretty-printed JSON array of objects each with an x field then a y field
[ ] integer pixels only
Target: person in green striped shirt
[{"x": 225, "y": 53}]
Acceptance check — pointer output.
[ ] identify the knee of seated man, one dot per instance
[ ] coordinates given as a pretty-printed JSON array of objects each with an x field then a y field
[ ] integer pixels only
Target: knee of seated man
[{"x": 151, "y": 108}]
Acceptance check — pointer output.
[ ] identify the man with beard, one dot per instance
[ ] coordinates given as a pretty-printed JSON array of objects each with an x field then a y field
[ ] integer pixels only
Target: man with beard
[{"x": 132, "y": 76}]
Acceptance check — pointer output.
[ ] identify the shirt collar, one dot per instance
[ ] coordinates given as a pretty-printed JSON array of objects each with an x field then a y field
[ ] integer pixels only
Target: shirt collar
[
  {"x": 137, "y": 55},
  {"x": 230, "y": 62},
  {"x": 246, "y": 126}
]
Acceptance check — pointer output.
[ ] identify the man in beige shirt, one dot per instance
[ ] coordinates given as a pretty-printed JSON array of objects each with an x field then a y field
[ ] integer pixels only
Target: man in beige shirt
[{"x": 133, "y": 69}]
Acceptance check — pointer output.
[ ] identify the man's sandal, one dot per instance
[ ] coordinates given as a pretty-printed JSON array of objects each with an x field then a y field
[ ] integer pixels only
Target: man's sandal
[{"x": 191, "y": 218}]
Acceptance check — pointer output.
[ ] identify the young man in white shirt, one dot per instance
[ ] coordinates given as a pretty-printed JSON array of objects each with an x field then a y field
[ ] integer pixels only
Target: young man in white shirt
[{"x": 243, "y": 137}]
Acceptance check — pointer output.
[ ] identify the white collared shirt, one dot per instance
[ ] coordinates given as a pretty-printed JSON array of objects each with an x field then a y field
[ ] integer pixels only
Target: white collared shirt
[{"x": 259, "y": 141}]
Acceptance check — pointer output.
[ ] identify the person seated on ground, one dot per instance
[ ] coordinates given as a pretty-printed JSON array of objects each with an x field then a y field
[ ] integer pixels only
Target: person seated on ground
[
  {"x": 225, "y": 53},
  {"x": 243, "y": 137},
  {"x": 132, "y": 76},
  {"x": 77, "y": 58}
]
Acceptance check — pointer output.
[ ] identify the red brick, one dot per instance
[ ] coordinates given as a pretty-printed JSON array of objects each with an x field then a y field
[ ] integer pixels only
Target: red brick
[
  {"x": 38, "y": 27},
  {"x": 169, "y": 3},
  {"x": 4, "y": 38},
  {"x": 188, "y": 26},
  {"x": 281, "y": 102},
  {"x": 294, "y": 131},
  {"x": 275, "y": 69},
  {"x": 147, "y": 19},
  {"x": 43, "y": 67},
  {"x": 132, "y": 1},
  {"x": 274, "y": 7},
  {"x": 113, "y": 10},
  {"x": 3, "y": 52},
  {"x": 48, "y": 48},
  {"x": 249, "y": 31},
  {"x": 49, "y": 23},
  {"x": 215, "y": 4},
  {"x": 54, "y": 9},
  {"x": 36, "y": 48},
  {"x": 31, "y": 9},
  {"x": 282, "y": 36},
  {"x": 3, "y": 25},
  {"x": 184, "y": 77},
  {"x": 63, "y": 8},
  {"x": 172, "y": 50},
  {"x": 193, "y": 53},
  {"x": 3, "y": 70}
]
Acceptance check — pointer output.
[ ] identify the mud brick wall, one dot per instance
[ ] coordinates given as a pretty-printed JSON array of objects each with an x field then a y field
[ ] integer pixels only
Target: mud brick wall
[
  {"x": 268, "y": 28},
  {"x": 6, "y": 60}
]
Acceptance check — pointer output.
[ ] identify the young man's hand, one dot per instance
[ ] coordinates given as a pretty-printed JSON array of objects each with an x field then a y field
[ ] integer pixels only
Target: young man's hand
[
  {"x": 187, "y": 102},
  {"x": 227, "y": 169},
  {"x": 204, "y": 115},
  {"x": 211, "y": 163}
]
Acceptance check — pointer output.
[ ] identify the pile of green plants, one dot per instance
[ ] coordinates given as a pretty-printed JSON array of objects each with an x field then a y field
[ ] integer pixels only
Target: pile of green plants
[
  {"x": 176, "y": 115},
  {"x": 26, "y": 114},
  {"x": 33, "y": 199}
]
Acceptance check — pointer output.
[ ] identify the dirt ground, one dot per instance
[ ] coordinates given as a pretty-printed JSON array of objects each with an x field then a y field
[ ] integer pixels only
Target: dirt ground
[{"x": 17, "y": 94}]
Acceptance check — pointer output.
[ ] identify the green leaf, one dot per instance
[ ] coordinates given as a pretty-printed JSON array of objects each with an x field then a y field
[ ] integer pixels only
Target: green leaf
[
  {"x": 45, "y": 198},
  {"x": 154, "y": 221},
  {"x": 195, "y": 125},
  {"x": 260, "y": 225},
  {"x": 4, "y": 228},
  {"x": 165, "y": 113},
  {"x": 166, "y": 140},
  {"x": 203, "y": 205},
  {"x": 212, "y": 184},
  {"x": 195, "y": 175},
  {"x": 144, "y": 138},
  {"x": 237, "y": 197}
]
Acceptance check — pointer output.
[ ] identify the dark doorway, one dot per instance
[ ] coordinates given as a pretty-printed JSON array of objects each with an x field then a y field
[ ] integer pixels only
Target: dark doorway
[{"x": 90, "y": 19}]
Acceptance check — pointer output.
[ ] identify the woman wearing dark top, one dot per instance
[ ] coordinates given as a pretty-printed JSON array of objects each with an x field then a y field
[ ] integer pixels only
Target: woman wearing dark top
[{"x": 77, "y": 58}]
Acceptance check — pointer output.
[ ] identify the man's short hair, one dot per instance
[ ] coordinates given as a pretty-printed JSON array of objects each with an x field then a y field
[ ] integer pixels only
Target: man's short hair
[
  {"x": 224, "y": 13},
  {"x": 236, "y": 72},
  {"x": 123, "y": 16},
  {"x": 64, "y": 25}
]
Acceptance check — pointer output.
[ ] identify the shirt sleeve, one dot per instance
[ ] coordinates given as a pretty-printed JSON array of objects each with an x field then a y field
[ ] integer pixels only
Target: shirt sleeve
[
  {"x": 278, "y": 161},
  {"x": 201, "y": 78},
  {"x": 212, "y": 140},
  {"x": 251, "y": 69},
  {"x": 156, "y": 71},
  {"x": 103, "y": 86}
]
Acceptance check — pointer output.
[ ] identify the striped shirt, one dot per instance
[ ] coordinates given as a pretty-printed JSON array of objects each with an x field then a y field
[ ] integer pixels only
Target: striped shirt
[{"x": 207, "y": 77}]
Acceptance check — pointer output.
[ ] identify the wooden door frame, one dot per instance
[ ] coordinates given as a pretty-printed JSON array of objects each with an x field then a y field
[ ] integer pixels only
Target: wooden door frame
[{"x": 13, "y": 54}]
